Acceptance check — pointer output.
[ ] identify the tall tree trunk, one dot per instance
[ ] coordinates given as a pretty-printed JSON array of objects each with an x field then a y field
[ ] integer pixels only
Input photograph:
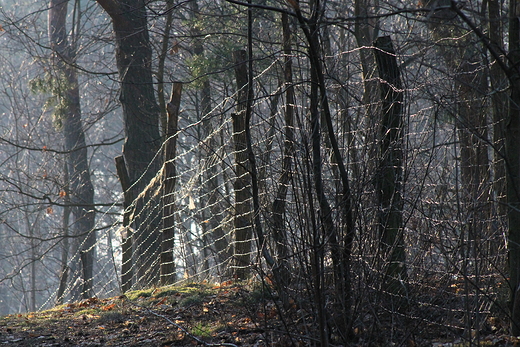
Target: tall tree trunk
[
  {"x": 462, "y": 58},
  {"x": 365, "y": 32},
  {"x": 512, "y": 135},
  {"x": 213, "y": 203},
  {"x": 389, "y": 180},
  {"x": 278, "y": 207},
  {"x": 141, "y": 122},
  {"x": 499, "y": 102},
  {"x": 242, "y": 221},
  {"x": 80, "y": 184}
]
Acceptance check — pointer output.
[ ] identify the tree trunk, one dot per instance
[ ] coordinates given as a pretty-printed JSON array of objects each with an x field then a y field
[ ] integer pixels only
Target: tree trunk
[
  {"x": 278, "y": 207},
  {"x": 512, "y": 135},
  {"x": 160, "y": 68},
  {"x": 64, "y": 272},
  {"x": 462, "y": 58},
  {"x": 389, "y": 181},
  {"x": 80, "y": 184},
  {"x": 243, "y": 219},
  {"x": 141, "y": 121},
  {"x": 499, "y": 101},
  {"x": 126, "y": 235},
  {"x": 365, "y": 32},
  {"x": 211, "y": 185}
]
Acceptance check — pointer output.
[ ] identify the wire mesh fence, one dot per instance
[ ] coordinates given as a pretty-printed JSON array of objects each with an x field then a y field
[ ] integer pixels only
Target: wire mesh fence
[{"x": 377, "y": 228}]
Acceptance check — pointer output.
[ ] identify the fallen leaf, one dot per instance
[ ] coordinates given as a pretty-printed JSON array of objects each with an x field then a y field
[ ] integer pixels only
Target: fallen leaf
[
  {"x": 108, "y": 307},
  {"x": 161, "y": 302}
]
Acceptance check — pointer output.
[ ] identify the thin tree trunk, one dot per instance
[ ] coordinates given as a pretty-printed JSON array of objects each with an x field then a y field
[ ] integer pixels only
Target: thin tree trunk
[
  {"x": 341, "y": 249},
  {"x": 64, "y": 272},
  {"x": 160, "y": 69},
  {"x": 499, "y": 101},
  {"x": 211, "y": 175},
  {"x": 32, "y": 288},
  {"x": 126, "y": 235},
  {"x": 80, "y": 184}
]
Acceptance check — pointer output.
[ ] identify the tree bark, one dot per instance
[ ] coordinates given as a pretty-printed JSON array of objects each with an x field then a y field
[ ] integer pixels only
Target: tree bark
[
  {"x": 64, "y": 272},
  {"x": 141, "y": 123},
  {"x": 389, "y": 181},
  {"x": 278, "y": 207},
  {"x": 242, "y": 221},
  {"x": 126, "y": 235},
  {"x": 80, "y": 184},
  {"x": 211, "y": 176},
  {"x": 365, "y": 32},
  {"x": 499, "y": 101},
  {"x": 512, "y": 135},
  {"x": 160, "y": 68}
]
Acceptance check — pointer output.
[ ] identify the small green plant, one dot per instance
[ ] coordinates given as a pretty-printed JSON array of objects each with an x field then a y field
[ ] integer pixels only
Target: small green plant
[{"x": 203, "y": 330}]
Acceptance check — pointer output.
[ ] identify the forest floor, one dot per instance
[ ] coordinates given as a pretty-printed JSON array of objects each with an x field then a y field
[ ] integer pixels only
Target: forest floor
[
  {"x": 229, "y": 314},
  {"x": 191, "y": 315}
]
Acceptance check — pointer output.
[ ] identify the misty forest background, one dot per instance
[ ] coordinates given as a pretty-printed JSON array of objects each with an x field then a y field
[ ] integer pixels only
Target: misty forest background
[{"x": 360, "y": 158}]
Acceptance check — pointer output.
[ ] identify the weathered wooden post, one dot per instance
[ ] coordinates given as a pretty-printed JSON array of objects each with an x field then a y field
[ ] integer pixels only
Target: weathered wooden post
[{"x": 168, "y": 275}]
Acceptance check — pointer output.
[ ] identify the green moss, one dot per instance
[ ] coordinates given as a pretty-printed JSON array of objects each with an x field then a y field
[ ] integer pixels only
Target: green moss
[
  {"x": 191, "y": 300},
  {"x": 136, "y": 294},
  {"x": 167, "y": 292},
  {"x": 203, "y": 330}
]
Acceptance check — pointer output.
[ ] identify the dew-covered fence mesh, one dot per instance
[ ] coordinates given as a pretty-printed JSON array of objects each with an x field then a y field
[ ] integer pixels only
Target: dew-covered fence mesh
[
  {"x": 453, "y": 228},
  {"x": 442, "y": 271}
]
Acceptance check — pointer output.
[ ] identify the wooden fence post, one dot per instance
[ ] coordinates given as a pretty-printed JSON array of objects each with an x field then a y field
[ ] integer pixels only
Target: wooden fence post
[{"x": 168, "y": 271}]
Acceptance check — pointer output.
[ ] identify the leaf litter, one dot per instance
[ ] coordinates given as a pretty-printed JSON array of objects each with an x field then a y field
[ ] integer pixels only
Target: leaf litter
[{"x": 228, "y": 314}]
